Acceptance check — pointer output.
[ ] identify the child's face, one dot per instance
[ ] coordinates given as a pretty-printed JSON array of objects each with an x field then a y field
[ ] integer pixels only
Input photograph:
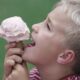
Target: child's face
[{"x": 49, "y": 39}]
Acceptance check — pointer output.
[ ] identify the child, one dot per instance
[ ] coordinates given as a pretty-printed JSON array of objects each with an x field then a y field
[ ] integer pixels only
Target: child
[{"x": 55, "y": 50}]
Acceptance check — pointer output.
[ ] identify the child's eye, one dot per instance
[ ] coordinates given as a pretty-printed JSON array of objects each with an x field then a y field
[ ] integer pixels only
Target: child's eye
[{"x": 48, "y": 27}]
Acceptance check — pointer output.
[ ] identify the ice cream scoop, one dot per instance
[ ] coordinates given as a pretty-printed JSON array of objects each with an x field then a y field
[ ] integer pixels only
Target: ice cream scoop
[{"x": 14, "y": 29}]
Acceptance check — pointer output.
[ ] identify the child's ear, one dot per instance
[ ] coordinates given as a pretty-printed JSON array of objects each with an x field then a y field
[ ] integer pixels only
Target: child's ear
[{"x": 66, "y": 57}]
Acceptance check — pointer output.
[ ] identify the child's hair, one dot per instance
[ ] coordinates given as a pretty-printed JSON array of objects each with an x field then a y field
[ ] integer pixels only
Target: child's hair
[{"x": 72, "y": 9}]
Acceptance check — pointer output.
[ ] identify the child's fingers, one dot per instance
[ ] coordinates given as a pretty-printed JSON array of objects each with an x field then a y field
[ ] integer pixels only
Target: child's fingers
[
  {"x": 14, "y": 51},
  {"x": 9, "y": 77},
  {"x": 19, "y": 44},
  {"x": 16, "y": 58},
  {"x": 11, "y": 45},
  {"x": 9, "y": 62}
]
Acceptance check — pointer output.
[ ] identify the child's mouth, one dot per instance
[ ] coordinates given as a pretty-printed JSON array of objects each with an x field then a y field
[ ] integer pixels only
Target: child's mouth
[{"x": 31, "y": 44}]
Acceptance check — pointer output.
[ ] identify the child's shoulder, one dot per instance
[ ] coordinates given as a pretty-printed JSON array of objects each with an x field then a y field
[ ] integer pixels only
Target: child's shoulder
[{"x": 34, "y": 74}]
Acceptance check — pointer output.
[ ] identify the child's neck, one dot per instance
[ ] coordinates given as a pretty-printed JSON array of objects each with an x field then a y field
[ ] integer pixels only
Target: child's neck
[{"x": 54, "y": 73}]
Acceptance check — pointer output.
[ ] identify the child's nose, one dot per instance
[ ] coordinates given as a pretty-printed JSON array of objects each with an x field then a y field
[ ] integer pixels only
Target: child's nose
[{"x": 35, "y": 27}]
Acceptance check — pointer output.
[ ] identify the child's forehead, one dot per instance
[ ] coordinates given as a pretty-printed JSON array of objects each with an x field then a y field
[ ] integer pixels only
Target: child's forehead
[
  {"x": 56, "y": 11},
  {"x": 58, "y": 15}
]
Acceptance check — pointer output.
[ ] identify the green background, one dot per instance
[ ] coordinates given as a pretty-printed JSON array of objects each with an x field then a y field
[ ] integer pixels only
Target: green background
[{"x": 32, "y": 11}]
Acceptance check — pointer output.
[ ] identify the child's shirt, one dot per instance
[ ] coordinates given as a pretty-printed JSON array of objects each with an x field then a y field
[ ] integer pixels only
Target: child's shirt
[{"x": 34, "y": 75}]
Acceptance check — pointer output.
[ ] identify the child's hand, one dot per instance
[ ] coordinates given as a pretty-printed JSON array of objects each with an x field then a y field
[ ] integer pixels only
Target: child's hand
[
  {"x": 18, "y": 73},
  {"x": 13, "y": 56}
]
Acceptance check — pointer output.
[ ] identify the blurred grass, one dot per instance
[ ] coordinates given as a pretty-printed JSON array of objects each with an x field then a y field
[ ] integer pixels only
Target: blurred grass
[{"x": 30, "y": 66}]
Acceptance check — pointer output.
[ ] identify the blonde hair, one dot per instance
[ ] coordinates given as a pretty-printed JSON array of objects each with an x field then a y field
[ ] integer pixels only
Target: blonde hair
[{"x": 72, "y": 9}]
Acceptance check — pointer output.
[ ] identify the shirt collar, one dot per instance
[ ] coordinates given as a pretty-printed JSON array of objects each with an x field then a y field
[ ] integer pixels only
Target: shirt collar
[{"x": 71, "y": 77}]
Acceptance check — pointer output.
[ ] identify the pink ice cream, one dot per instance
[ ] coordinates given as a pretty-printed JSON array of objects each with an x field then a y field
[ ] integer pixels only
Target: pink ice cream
[{"x": 14, "y": 29}]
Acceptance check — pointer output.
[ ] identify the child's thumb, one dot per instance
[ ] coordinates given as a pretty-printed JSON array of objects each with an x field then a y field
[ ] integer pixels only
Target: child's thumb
[
  {"x": 21, "y": 68},
  {"x": 8, "y": 65}
]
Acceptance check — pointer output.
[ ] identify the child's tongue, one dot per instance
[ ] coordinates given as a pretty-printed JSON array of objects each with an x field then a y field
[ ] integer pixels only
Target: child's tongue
[{"x": 31, "y": 44}]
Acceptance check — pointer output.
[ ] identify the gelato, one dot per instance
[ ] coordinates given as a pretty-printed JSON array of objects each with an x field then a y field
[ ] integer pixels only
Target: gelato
[{"x": 14, "y": 29}]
